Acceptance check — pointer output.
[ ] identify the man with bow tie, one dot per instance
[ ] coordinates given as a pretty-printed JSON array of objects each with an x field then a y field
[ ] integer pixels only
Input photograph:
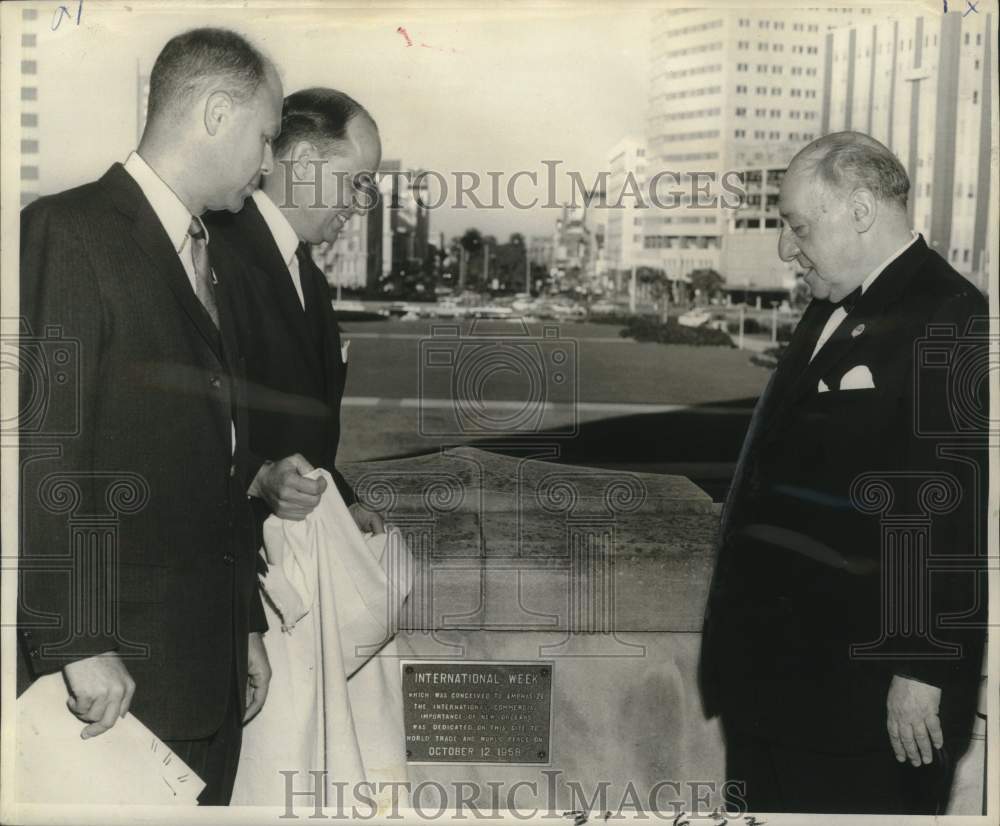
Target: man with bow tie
[
  {"x": 327, "y": 150},
  {"x": 841, "y": 653}
]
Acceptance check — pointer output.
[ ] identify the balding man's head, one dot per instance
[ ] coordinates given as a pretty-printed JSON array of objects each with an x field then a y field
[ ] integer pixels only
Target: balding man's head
[
  {"x": 214, "y": 110},
  {"x": 199, "y": 60},
  {"x": 848, "y": 160}
]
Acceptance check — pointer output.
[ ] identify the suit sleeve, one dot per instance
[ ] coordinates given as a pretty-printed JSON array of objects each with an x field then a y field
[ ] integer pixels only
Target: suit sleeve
[
  {"x": 60, "y": 300},
  {"x": 949, "y": 436}
]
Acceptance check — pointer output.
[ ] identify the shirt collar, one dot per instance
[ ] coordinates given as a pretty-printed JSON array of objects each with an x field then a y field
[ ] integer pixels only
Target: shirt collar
[
  {"x": 878, "y": 270},
  {"x": 173, "y": 215},
  {"x": 284, "y": 234}
]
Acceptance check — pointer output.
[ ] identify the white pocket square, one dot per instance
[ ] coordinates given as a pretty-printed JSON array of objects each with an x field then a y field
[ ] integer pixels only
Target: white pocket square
[{"x": 857, "y": 378}]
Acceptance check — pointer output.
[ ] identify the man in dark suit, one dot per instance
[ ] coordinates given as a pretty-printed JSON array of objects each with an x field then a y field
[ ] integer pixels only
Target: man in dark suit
[
  {"x": 138, "y": 576},
  {"x": 296, "y": 362},
  {"x": 844, "y": 628}
]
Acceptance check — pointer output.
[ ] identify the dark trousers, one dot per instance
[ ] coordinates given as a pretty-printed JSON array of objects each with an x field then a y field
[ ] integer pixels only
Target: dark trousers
[
  {"x": 783, "y": 778},
  {"x": 215, "y": 758}
]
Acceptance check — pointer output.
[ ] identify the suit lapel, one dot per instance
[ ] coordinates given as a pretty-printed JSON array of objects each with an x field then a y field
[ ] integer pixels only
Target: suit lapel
[
  {"x": 275, "y": 270},
  {"x": 864, "y": 321},
  {"x": 152, "y": 238}
]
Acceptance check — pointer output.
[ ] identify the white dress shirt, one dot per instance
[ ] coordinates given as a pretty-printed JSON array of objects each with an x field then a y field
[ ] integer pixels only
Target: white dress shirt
[
  {"x": 284, "y": 236},
  {"x": 173, "y": 216},
  {"x": 840, "y": 313}
]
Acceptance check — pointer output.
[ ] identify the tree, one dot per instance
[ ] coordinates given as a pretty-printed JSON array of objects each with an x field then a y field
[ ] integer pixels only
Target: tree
[{"x": 706, "y": 282}]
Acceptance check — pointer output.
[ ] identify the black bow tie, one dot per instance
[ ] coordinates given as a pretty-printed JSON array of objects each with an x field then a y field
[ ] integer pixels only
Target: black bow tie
[{"x": 849, "y": 300}]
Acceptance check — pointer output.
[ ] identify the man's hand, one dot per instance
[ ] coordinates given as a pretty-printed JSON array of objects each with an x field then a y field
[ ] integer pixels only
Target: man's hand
[
  {"x": 286, "y": 490},
  {"x": 101, "y": 690},
  {"x": 913, "y": 719},
  {"x": 367, "y": 520},
  {"x": 258, "y": 676}
]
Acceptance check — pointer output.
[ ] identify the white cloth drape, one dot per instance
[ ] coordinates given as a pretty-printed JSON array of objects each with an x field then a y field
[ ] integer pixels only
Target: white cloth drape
[{"x": 332, "y": 599}]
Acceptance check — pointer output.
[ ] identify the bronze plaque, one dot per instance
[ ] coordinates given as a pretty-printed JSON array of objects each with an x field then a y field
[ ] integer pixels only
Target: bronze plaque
[{"x": 477, "y": 712}]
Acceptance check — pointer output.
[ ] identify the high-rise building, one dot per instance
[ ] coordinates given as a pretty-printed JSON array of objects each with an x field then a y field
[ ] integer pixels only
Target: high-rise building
[
  {"x": 921, "y": 84},
  {"x": 30, "y": 167},
  {"x": 624, "y": 217},
  {"x": 730, "y": 89}
]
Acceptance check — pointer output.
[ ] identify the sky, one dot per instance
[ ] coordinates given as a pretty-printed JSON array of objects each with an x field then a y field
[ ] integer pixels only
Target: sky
[{"x": 475, "y": 90}]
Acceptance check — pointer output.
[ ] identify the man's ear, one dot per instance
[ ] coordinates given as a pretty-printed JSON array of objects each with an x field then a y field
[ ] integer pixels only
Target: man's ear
[
  {"x": 864, "y": 208},
  {"x": 218, "y": 107},
  {"x": 303, "y": 157}
]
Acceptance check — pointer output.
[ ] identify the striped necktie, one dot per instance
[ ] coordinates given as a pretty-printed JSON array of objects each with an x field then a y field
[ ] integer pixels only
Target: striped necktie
[{"x": 204, "y": 279}]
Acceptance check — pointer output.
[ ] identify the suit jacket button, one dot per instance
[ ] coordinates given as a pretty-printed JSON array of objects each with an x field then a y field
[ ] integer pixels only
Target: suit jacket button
[
  {"x": 232, "y": 469},
  {"x": 216, "y": 382},
  {"x": 26, "y": 634},
  {"x": 228, "y": 558},
  {"x": 33, "y": 653}
]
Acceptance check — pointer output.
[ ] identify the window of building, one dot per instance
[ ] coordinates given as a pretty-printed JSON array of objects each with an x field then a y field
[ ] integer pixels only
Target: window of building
[
  {"x": 975, "y": 97},
  {"x": 762, "y": 47},
  {"x": 743, "y": 44},
  {"x": 29, "y": 119},
  {"x": 741, "y": 67},
  {"x": 29, "y": 14},
  {"x": 979, "y": 40},
  {"x": 28, "y": 197},
  {"x": 774, "y": 136},
  {"x": 765, "y": 24},
  {"x": 760, "y": 113},
  {"x": 796, "y": 70},
  {"x": 813, "y": 27},
  {"x": 796, "y": 27},
  {"x": 794, "y": 114},
  {"x": 762, "y": 68},
  {"x": 965, "y": 256},
  {"x": 966, "y": 38},
  {"x": 29, "y": 67},
  {"x": 792, "y": 136},
  {"x": 811, "y": 72},
  {"x": 775, "y": 113},
  {"x": 29, "y": 93},
  {"x": 29, "y": 40},
  {"x": 777, "y": 47},
  {"x": 779, "y": 25},
  {"x": 761, "y": 90},
  {"x": 808, "y": 136},
  {"x": 776, "y": 91},
  {"x": 977, "y": 65},
  {"x": 640, "y": 152},
  {"x": 744, "y": 22},
  {"x": 972, "y": 192},
  {"x": 741, "y": 111},
  {"x": 741, "y": 90},
  {"x": 758, "y": 134},
  {"x": 776, "y": 70},
  {"x": 29, "y": 173},
  {"x": 740, "y": 133},
  {"x": 29, "y": 146}
]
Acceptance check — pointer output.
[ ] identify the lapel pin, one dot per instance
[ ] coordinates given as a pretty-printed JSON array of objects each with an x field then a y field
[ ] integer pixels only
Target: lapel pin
[{"x": 857, "y": 331}]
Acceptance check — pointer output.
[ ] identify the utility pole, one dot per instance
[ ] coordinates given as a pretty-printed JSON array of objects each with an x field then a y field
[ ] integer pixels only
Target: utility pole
[
  {"x": 631, "y": 292},
  {"x": 486, "y": 265},
  {"x": 461, "y": 268}
]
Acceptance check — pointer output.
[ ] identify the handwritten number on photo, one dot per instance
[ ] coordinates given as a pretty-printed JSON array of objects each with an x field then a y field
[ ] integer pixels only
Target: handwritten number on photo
[{"x": 63, "y": 12}]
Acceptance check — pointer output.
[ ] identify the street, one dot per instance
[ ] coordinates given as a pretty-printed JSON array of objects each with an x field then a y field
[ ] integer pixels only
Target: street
[{"x": 623, "y": 404}]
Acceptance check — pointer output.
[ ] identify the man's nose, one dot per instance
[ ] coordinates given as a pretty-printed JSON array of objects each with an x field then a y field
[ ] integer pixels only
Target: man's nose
[
  {"x": 787, "y": 248},
  {"x": 267, "y": 164}
]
